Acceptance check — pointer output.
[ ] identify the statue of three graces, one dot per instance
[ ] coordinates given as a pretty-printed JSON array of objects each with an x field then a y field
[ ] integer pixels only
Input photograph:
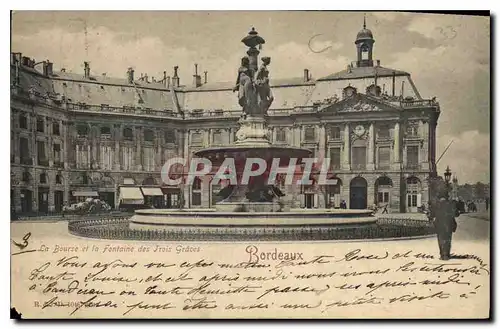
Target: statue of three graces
[{"x": 254, "y": 91}]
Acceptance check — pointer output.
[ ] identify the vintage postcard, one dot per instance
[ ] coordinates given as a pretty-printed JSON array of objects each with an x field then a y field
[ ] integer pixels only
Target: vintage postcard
[{"x": 267, "y": 164}]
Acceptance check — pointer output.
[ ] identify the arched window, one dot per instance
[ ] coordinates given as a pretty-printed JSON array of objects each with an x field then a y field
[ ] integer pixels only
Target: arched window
[
  {"x": 149, "y": 135},
  {"x": 383, "y": 187},
  {"x": 128, "y": 134},
  {"x": 58, "y": 179}
]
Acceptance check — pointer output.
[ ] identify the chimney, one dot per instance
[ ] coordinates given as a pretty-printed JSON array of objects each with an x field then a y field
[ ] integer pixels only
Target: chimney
[
  {"x": 168, "y": 82},
  {"x": 402, "y": 89},
  {"x": 206, "y": 79},
  {"x": 130, "y": 75},
  {"x": 196, "y": 77},
  {"x": 25, "y": 61},
  {"x": 15, "y": 58},
  {"x": 86, "y": 69},
  {"x": 349, "y": 68},
  {"x": 175, "y": 79},
  {"x": 306, "y": 75},
  {"x": 63, "y": 70},
  {"x": 378, "y": 62},
  {"x": 104, "y": 75},
  {"x": 393, "y": 83},
  {"x": 146, "y": 78},
  {"x": 50, "y": 67},
  {"x": 165, "y": 78},
  {"x": 45, "y": 67}
]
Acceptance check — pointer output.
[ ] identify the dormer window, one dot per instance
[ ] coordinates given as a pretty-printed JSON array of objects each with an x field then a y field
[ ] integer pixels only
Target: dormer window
[{"x": 106, "y": 131}]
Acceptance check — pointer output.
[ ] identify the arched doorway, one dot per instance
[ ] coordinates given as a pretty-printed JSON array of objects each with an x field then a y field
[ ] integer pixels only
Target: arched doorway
[
  {"x": 358, "y": 193},
  {"x": 383, "y": 186},
  {"x": 413, "y": 194}
]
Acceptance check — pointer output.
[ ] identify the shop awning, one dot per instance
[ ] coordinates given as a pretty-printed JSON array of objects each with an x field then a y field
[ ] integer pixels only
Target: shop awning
[
  {"x": 85, "y": 193},
  {"x": 152, "y": 191},
  {"x": 131, "y": 195}
]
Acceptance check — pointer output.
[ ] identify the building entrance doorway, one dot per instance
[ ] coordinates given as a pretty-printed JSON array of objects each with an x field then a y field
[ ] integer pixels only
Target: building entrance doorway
[
  {"x": 26, "y": 200},
  {"x": 358, "y": 193},
  {"x": 43, "y": 200},
  {"x": 58, "y": 200}
]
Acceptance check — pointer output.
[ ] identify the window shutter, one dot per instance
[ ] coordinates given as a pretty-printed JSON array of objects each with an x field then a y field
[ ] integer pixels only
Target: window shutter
[
  {"x": 302, "y": 200},
  {"x": 316, "y": 201},
  {"x": 419, "y": 200}
]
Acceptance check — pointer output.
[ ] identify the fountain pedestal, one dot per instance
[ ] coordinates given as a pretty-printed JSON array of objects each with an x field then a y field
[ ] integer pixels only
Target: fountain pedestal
[{"x": 253, "y": 131}]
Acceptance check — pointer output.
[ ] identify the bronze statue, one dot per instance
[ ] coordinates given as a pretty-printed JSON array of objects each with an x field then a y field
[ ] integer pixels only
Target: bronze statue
[
  {"x": 247, "y": 97},
  {"x": 262, "y": 83}
]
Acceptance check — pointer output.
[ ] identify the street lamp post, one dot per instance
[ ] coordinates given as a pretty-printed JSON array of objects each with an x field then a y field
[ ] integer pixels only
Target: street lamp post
[{"x": 447, "y": 179}]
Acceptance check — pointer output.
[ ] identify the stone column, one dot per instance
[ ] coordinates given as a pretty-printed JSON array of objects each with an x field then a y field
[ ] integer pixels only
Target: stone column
[
  {"x": 17, "y": 199},
  {"x": 207, "y": 138},
  {"x": 231, "y": 136},
  {"x": 346, "y": 152},
  {"x": 118, "y": 137},
  {"x": 322, "y": 141},
  {"x": 34, "y": 148},
  {"x": 397, "y": 147},
  {"x": 159, "y": 150},
  {"x": 138, "y": 152},
  {"x": 297, "y": 135},
  {"x": 51, "y": 149},
  {"x": 17, "y": 151},
  {"x": 371, "y": 147},
  {"x": 424, "y": 151}
]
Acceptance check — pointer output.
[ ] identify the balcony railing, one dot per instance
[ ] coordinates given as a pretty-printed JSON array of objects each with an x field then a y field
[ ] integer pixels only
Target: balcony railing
[{"x": 43, "y": 162}]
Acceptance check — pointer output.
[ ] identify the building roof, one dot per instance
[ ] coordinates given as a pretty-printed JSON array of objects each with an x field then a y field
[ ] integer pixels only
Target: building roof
[{"x": 363, "y": 72}]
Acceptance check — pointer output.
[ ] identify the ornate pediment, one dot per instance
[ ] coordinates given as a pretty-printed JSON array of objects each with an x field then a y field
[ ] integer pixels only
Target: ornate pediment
[{"x": 358, "y": 103}]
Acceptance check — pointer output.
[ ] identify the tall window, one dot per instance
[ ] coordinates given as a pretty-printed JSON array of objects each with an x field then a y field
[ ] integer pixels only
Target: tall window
[
  {"x": 58, "y": 179},
  {"x": 57, "y": 152},
  {"x": 281, "y": 135},
  {"x": 82, "y": 156},
  {"x": 412, "y": 192},
  {"x": 149, "y": 135},
  {"x": 148, "y": 158},
  {"x": 128, "y": 154},
  {"x": 359, "y": 157},
  {"x": 217, "y": 137},
  {"x": 197, "y": 138},
  {"x": 42, "y": 157},
  {"x": 40, "y": 125},
  {"x": 335, "y": 158},
  {"x": 412, "y": 157},
  {"x": 334, "y": 133},
  {"x": 23, "y": 121},
  {"x": 170, "y": 136},
  {"x": 128, "y": 134},
  {"x": 43, "y": 178},
  {"x": 384, "y": 157},
  {"x": 196, "y": 192},
  {"x": 310, "y": 134},
  {"x": 56, "y": 128},
  {"x": 106, "y": 157},
  {"x": 24, "y": 152}
]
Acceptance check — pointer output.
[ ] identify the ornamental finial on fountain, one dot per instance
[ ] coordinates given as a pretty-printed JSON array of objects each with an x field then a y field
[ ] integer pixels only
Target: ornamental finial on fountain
[{"x": 253, "y": 39}]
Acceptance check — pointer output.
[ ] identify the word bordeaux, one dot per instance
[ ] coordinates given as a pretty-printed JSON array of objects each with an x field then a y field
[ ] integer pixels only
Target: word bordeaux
[
  {"x": 254, "y": 255},
  {"x": 253, "y": 167}
]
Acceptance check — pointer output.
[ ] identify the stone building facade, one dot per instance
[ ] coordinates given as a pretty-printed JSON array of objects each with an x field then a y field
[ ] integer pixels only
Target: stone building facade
[{"x": 75, "y": 136}]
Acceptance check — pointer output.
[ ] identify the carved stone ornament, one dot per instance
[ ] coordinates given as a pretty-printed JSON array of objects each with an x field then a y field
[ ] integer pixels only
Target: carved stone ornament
[{"x": 361, "y": 107}]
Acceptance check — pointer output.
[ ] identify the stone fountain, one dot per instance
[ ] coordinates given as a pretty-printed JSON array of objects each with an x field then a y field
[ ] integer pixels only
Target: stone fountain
[{"x": 251, "y": 206}]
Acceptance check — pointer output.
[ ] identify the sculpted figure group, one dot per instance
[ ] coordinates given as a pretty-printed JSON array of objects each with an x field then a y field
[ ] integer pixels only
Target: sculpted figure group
[{"x": 254, "y": 92}]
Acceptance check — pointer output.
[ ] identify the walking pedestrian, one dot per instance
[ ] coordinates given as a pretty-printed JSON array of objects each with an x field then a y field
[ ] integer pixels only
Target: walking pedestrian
[{"x": 444, "y": 211}]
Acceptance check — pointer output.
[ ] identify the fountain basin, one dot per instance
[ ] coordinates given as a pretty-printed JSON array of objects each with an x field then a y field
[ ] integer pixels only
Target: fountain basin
[{"x": 230, "y": 222}]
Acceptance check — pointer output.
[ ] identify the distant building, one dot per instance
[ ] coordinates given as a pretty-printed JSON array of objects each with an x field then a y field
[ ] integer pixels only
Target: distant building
[{"x": 75, "y": 136}]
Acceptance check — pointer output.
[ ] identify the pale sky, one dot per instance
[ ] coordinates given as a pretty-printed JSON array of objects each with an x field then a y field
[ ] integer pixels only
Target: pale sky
[{"x": 448, "y": 56}]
